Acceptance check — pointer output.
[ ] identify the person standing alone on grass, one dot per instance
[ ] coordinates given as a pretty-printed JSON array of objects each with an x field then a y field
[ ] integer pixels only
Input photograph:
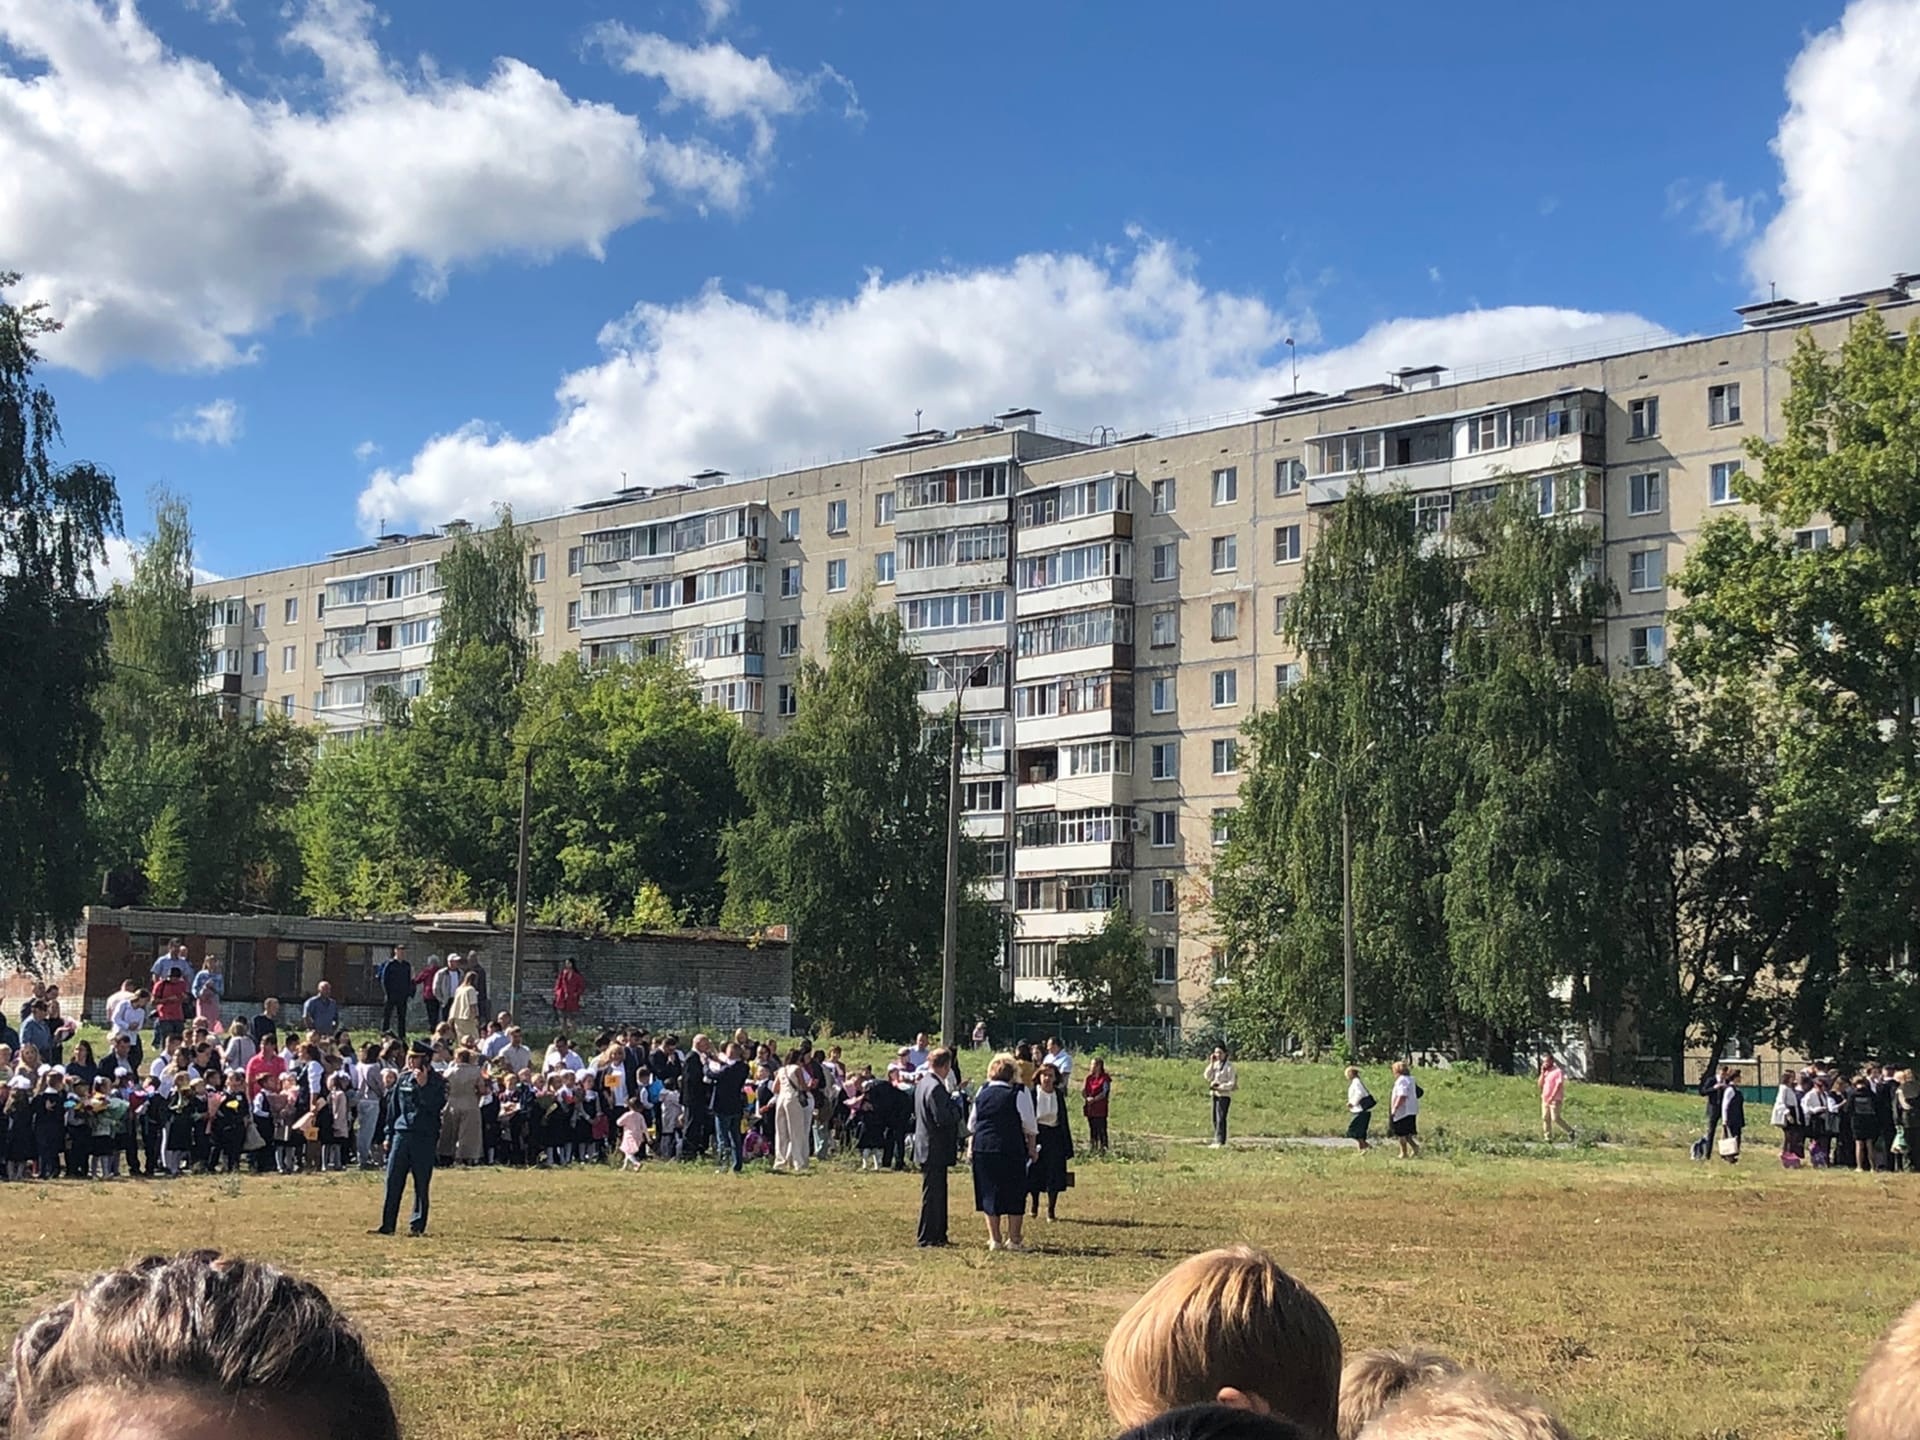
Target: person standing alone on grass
[
  {"x": 1096, "y": 1093},
  {"x": 1403, "y": 1110},
  {"x": 416, "y": 1102},
  {"x": 936, "y": 1144},
  {"x": 1360, "y": 1103},
  {"x": 1733, "y": 1117},
  {"x": 1221, "y": 1083},
  {"x": 1553, "y": 1092}
]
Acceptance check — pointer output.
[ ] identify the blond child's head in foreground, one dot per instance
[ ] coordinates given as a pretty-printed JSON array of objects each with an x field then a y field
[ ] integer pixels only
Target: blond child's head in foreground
[
  {"x": 1463, "y": 1407},
  {"x": 1229, "y": 1326},
  {"x": 1375, "y": 1379},
  {"x": 1886, "y": 1402}
]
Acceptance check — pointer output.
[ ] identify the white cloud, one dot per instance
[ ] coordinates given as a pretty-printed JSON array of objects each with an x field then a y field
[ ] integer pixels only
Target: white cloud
[
  {"x": 716, "y": 12},
  {"x": 218, "y": 422},
  {"x": 1849, "y": 151},
  {"x": 719, "y": 81},
  {"x": 117, "y": 569},
  {"x": 751, "y": 383},
  {"x": 365, "y": 451},
  {"x": 1710, "y": 210},
  {"x": 215, "y": 10},
  {"x": 169, "y": 217}
]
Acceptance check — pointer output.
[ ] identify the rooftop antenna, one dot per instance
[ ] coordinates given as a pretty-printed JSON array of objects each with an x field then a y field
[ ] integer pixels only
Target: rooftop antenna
[
  {"x": 1773, "y": 291},
  {"x": 1294, "y": 355},
  {"x": 916, "y": 422},
  {"x": 383, "y": 526},
  {"x": 623, "y": 479}
]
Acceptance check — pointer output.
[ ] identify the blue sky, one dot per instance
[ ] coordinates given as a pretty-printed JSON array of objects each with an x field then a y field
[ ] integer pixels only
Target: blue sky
[{"x": 329, "y": 265}]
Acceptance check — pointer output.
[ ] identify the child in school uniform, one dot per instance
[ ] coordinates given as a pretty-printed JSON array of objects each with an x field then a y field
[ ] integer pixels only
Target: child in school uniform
[{"x": 672, "y": 1122}]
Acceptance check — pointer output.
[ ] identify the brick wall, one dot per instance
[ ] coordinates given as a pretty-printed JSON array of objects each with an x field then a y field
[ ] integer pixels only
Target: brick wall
[{"x": 674, "y": 978}]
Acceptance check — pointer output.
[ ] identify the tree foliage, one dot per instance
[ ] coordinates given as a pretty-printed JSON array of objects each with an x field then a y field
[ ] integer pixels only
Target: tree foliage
[
  {"x": 844, "y": 838},
  {"x": 54, "y": 521},
  {"x": 1107, "y": 975}
]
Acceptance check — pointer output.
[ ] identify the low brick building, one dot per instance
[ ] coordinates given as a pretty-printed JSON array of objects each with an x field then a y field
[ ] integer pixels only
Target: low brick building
[{"x": 674, "y": 978}]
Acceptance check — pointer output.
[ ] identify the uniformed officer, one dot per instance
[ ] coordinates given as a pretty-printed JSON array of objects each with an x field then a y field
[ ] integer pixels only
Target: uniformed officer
[{"x": 417, "y": 1098}]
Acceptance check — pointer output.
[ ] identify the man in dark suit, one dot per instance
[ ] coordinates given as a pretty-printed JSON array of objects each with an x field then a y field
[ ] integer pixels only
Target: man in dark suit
[{"x": 936, "y": 1143}]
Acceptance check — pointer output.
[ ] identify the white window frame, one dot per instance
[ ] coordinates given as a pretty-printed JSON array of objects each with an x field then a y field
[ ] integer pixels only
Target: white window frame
[
  {"x": 1228, "y": 611},
  {"x": 1170, "y": 550},
  {"x": 1813, "y": 537},
  {"x": 790, "y": 627},
  {"x": 1163, "y": 758},
  {"x": 1647, "y": 647},
  {"x": 1163, "y": 832},
  {"x": 1646, "y": 492},
  {"x": 1287, "y": 676},
  {"x": 1289, "y": 477},
  {"x": 1167, "y": 620},
  {"x": 1163, "y": 896},
  {"x": 1164, "y": 496},
  {"x": 1222, "y": 825},
  {"x": 1226, "y": 756},
  {"x": 289, "y": 659},
  {"x": 883, "y": 567},
  {"x": 536, "y": 567},
  {"x": 1226, "y": 485},
  {"x": 787, "y": 701},
  {"x": 1646, "y": 571},
  {"x": 790, "y": 580},
  {"x": 1225, "y": 553},
  {"x": 837, "y": 517},
  {"x": 1226, "y": 689},
  {"x": 790, "y": 524},
  {"x": 1723, "y": 399},
  {"x": 1287, "y": 547},
  {"x": 290, "y": 610},
  {"x": 1166, "y": 964},
  {"x": 1162, "y": 687},
  {"x": 1643, "y": 418},
  {"x": 836, "y": 576},
  {"x": 1721, "y": 489},
  {"x": 573, "y": 615}
]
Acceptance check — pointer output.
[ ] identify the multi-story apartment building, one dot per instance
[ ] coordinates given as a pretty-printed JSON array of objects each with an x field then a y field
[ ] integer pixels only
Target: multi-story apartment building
[{"x": 1110, "y": 613}]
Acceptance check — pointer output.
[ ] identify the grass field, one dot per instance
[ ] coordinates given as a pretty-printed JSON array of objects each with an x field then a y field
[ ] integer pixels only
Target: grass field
[{"x": 1643, "y": 1295}]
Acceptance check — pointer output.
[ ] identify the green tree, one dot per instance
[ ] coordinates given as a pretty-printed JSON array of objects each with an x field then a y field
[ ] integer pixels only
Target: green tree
[
  {"x": 1374, "y": 616},
  {"x": 1106, "y": 975},
  {"x": 459, "y": 783},
  {"x": 844, "y": 838},
  {"x": 1826, "y": 640},
  {"x": 633, "y": 785},
  {"x": 168, "y": 859},
  {"x": 1533, "y": 838},
  {"x": 54, "y": 520}
]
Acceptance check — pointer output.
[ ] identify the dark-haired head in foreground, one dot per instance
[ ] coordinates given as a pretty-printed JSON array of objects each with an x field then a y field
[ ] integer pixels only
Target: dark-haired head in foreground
[
  {"x": 196, "y": 1347},
  {"x": 1214, "y": 1422}
]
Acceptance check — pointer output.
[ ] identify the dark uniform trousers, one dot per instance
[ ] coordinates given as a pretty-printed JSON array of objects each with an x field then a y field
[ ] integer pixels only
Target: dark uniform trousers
[{"x": 413, "y": 1155}]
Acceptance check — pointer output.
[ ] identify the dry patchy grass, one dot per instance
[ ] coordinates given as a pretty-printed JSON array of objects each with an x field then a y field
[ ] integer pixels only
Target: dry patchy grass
[{"x": 1643, "y": 1295}]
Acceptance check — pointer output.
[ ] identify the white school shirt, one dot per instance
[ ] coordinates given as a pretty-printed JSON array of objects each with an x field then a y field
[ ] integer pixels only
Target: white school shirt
[
  {"x": 1046, "y": 1108},
  {"x": 1406, "y": 1099}
]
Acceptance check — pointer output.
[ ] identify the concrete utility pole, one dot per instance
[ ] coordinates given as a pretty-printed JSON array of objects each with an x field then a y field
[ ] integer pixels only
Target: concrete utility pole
[{"x": 950, "y": 939}]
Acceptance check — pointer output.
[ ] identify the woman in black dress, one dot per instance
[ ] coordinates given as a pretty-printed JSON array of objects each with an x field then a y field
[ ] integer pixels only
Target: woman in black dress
[
  {"x": 1047, "y": 1175},
  {"x": 1004, "y": 1144}
]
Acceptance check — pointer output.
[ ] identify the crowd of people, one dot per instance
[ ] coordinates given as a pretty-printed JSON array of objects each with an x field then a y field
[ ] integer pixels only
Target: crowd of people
[
  {"x": 1226, "y": 1346},
  {"x": 1829, "y": 1117}
]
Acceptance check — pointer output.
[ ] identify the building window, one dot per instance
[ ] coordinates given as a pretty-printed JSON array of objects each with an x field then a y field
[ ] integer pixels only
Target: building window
[
  {"x": 1280, "y": 604},
  {"x": 1226, "y": 757},
  {"x": 789, "y": 581},
  {"x": 1286, "y": 677},
  {"x": 1226, "y": 620},
  {"x": 1165, "y": 758},
  {"x": 286, "y": 706},
  {"x": 790, "y": 524},
  {"x": 1222, "y": 826},
  {"x": 790, "y": 638},
  {"x": 1163, "y": 497},
  {"x": 1034, "y": 959},
  {"x": 1647, "y": 646},
  {"x": 836, "y": 575},
  {"x": 259, "y": 712},
  {"x": 836, "y": 517},
  {"x": 1643, "y": 493},
  {"x": 1816, "y": 538},
  {"x": 1218, "y": 964},
  {"x": 1165, "y": 628},
  {"x": 1226, "y": 486},
  {"x": 575, "y": 554},
  {"x": 1487, "y": 432},
  {"x": 787, "y": 701},
  {"x": 1288, "y": 477},
  {"x": 983, "y": 796},
  {"x": 1643, "y": 418},
  {"x": 259, "y": 617},
  {"x": 1226, "y": 554},
  {"x": 290, "y": 609},
  {"x": 1646, "y": 570},
  {"x": 1166, "y": 965},
  {"x": 1160, "y": 690},
  {"x": 289, "y": 659},
  {"x": 537, "y": 567},
  {"x": 259, "y": 661},
  {"x": 1165, "y": 830},
  {"x": 1721, "y": 485},
  {"x": 883, "y": 568},
  {"x": 319, "y": 652},
  {"x": 1166, "y": 560},
  {"x": 539, "y": 620},
  {"x": 883, "y": 508},
  {"x": 1286, "y": 544},
  {"x": 1723, "y": 404},
  {"x": 1226, "y": 688},
  {"x": 573, "y": 615},
  {"x": 1164, "y": 900}
]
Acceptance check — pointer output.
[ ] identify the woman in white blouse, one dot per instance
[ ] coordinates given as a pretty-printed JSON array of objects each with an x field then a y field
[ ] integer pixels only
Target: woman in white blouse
[
  {"x": 1221, "y": 1083},
  {"x": 1360, "y": 1104},
  {"x": 1053, "y": 1141}
]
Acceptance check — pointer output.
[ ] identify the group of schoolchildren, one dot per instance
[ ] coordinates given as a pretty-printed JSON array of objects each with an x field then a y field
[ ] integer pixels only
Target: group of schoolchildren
[{"x": 1831, "y": 1117}]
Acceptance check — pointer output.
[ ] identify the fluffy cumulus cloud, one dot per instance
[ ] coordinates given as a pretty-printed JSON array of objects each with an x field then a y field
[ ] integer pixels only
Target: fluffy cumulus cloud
[
  {"x": 252, "y": 207},
  {"x": 1849, "y": 152},
  {"x": 218, "y": 422},
  {"x": 754, "y": 382},
  {"x": 117, "y": 567}
]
